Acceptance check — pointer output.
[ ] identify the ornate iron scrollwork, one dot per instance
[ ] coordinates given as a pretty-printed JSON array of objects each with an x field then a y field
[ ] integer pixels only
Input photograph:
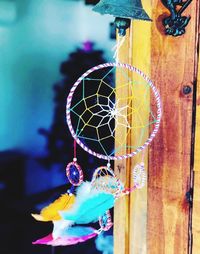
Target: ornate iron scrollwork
[{"x": 175, "y": 24}]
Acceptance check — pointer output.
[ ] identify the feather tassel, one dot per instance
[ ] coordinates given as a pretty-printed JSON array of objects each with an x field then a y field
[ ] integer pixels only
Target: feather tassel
[
  {"x": 60, "y": 227},
  {"x": 50, "y": 212},
  {"x": 90, "y": 204},
  {"x": 70, "y": 236}
]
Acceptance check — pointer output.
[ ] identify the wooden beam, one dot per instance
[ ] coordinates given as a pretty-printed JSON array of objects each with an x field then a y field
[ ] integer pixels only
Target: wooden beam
[
  {"x": 196, "y": 188},
  {"x": 121, "y": 211},
  {"x": 130, "y": 212},
  {"x": 173, "y": 67},
  {"x": 155, "y": 220},
  {"x": 141, "y": 58}
]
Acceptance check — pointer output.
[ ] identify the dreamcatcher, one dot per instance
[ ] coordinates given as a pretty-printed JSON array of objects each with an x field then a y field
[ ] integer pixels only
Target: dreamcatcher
[
  {"x": 95, "y": 110},
  {"x": 102, "y": 118}
]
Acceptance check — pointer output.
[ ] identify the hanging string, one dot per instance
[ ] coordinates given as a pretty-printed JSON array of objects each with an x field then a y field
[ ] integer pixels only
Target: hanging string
[
  {"x": 75, "y": 159},
  {"x": 108, "y": 164},
  {"x": 142, "y": 157},
  {"x": 117, "y": 47}
]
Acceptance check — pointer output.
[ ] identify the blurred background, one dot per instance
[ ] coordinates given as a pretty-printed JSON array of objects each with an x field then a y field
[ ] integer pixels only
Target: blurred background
[{"x": 45, "y": 45}]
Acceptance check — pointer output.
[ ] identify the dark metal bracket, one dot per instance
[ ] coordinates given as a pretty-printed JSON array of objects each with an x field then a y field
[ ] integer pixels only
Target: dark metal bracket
[
  {"x": 122, "y": 24},
  {"x": 175, "y": 24}
]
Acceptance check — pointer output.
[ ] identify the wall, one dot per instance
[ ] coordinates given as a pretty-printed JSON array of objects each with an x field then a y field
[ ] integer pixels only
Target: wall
[{"x": 31, "y": 50}]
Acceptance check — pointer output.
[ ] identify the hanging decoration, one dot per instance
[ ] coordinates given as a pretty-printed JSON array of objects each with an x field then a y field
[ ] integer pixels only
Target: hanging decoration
[
  {"x": 139, "y": 175},
  {"x": 90, "y": 204},
  {"x": 105, "y": 221},
  {"x": 71, "y": 236},
  {"x": 51, "y": 212},
  {"x": 96, "y": 110},
  {"x": 104, "y": 179},
  {"x": 74, "y": 172},
  {"x": 94, "y": 113}
]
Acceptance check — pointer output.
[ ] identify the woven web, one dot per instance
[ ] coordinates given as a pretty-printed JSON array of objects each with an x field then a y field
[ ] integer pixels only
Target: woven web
[
  {"x": 105, "y": 180},
  {"x": 104, "y": 116}
]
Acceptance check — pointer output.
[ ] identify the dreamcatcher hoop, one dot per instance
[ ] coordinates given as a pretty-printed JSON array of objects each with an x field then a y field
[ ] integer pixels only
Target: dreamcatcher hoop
[
  {"x": 109, "y": 182},
  {"x": 76, "y": 179},
  {"x": 105, "y": 221},
  {"x": 158, "y": 117}
]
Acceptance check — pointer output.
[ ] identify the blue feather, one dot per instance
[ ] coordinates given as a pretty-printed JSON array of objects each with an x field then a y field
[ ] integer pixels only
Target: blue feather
[
  {"x": 78, "y": 231},
  {"x": 89, "y": 205}
]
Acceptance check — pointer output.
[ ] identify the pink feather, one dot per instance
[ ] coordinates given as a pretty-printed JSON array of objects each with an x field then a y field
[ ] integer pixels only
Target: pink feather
[{"x": 69, "y": 239}]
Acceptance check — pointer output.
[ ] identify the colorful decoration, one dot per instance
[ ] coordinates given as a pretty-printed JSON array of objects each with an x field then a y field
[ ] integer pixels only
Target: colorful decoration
[
  {"x": 51, "y": 212},
  {"x": 74, "y": 172},
  {"x": 60, "y": 227},
  {"x": 95, "y": 109},
  {"x": 94, "y": 115},
  {"x": 90, "y": 204},
  {"x": 105, "y": 221},
  {"x": 139, "y": 175},
  {"x": 71, "y": 236},
  {"x": 104, "y": 179}
]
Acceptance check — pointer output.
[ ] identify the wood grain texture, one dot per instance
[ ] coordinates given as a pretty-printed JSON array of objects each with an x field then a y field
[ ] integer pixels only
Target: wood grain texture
[
  {"x": 121, "y": 210},
  {"x": 131, "y": 211},
  {"x": 172, "y": 67},
  {"x": 141, "y": 58},
  {"x": 196, "y": 195},
  {"x": 155, "y": 220}
]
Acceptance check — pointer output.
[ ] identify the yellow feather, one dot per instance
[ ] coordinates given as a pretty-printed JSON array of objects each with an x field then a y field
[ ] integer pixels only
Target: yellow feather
[{"x": 50, "y": 212}]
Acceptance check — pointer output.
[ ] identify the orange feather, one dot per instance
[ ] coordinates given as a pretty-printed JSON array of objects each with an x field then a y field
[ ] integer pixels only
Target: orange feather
[{"x": 51, "y": 212}]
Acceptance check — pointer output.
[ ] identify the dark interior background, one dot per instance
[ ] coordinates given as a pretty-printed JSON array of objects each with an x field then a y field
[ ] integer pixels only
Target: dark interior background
[{"x": 44, "y": 46}]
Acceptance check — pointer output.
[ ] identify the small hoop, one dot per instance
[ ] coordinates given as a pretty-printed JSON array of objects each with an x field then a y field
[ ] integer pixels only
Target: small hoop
[
  {"x": 75, "y": 177},
  {"x": 139, "y": 175},
  {"x": 105, "y": 221},
  {"x": 104, "y": 179}
]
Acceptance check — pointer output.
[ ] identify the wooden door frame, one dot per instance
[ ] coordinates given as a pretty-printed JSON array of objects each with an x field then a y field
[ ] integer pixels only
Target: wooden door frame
[{"x": 171, "y": 62}]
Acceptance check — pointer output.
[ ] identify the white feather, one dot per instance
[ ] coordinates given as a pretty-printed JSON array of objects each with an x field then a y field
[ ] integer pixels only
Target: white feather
[
  {"x": 60, "y": 226},
  {"x": 83, "y": 191}
]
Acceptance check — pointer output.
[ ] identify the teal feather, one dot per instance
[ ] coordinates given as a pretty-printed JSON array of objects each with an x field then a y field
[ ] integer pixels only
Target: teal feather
[{"x": 89, "y": 205}]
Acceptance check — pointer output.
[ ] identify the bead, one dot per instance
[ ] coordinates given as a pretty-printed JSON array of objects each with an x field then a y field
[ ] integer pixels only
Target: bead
[{"x": 108, "y": 165}]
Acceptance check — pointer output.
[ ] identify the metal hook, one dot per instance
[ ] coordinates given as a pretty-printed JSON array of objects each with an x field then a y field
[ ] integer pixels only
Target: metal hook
[{"x": 175, "y": 24}]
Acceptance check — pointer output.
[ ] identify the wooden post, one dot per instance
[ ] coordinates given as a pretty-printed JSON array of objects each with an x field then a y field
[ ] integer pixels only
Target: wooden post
[
  {"x": 155, "y": 220},
  {"x": 121, "y": 214},
  {"x": 196, "y": 188},
  {"x": 131, "y": 211},
  {"x": 173, "y": 67}
]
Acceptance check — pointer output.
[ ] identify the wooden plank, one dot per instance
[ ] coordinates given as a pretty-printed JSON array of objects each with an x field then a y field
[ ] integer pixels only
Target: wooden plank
[
  {"x": 130, "y": 222},
  {"x": 141, "y": 57},
  {"x": 121, "y": 210},
  {"x": 196, "y": 195},
  {"x": 172, "y": 68}
]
